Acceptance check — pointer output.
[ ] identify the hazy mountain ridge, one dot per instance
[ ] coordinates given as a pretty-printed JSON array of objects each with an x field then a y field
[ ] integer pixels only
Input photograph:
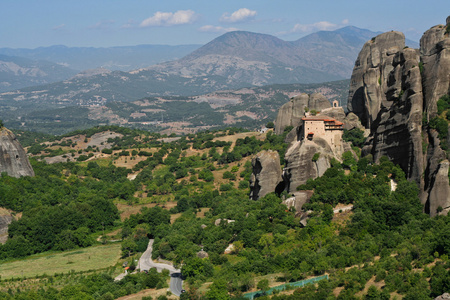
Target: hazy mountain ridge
[
  {"x": 231, "y": 61},
  {"x": 19, "y": 72},
  {"x": 123, "y": 58}
]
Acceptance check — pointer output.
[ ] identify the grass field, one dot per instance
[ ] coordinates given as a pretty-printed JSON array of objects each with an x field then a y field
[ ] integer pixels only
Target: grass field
[{"x": 97, "y": 257}]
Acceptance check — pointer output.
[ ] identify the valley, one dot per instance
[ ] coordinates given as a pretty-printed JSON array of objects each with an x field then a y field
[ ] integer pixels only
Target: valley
[{"x": 241, "y": 183}]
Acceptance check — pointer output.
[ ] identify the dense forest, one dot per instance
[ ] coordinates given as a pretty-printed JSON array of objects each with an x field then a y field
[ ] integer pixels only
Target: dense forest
[{"x": 385, "y": 247}]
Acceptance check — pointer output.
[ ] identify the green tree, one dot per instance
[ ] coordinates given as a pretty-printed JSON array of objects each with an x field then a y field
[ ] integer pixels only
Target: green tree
[
  {"x": 263, "y": 285},
  {"x": 218, "y": 291}
]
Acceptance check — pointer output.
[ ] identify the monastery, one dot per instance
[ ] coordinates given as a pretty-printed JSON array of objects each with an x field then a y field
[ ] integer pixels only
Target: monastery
[{"x": 324, "y": 127}]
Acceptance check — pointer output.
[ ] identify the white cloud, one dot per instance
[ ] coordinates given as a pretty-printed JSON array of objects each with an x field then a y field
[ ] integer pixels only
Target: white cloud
[
  {"x": 130, "y": 24},
  {"x": 241, "y": 15},
  {"x": 179, "y": 17},
  {"x": 102, "y": 24},
  {"x": 322, "y": 25},
  {"x": 211, "y": 28},
  {"x": 59, "y": 27}
]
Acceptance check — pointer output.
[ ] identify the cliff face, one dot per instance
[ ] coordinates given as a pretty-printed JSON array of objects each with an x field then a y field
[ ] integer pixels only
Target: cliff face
[
  {"x": 291, "y": 113},
  {"x": 391, "y": 89},
  {"x": 266, "y": 174},
  {"x": 396, "y": 128},
  {"x": 368, "y": 84},
  {"x": 435, "y": 55},
  {"x": 13, "y": 159}
]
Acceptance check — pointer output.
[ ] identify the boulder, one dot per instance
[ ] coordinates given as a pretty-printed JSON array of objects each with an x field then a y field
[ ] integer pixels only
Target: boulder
[
  {"x": 5, "y": 219},
  {"x": 13, "y": 159},
  {"x": 352, "y": 121},
  {"x": 266, "y": 174},
  {"x": 445, "y": 296},
  {"x": 337, "y": 113},
  {"x": 202, "y": 254},
  {"x": 298, "y": 199}
]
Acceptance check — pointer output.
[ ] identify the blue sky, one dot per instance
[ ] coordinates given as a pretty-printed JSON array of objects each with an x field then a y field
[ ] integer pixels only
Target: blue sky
[{"x": 105, "y": 23}]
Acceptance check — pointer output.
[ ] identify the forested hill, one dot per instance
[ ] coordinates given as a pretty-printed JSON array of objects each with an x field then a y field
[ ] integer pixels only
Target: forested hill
[{"x": 117, "y": 186}]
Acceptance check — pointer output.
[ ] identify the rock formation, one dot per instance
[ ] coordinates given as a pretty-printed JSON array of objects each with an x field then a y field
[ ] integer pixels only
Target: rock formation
[
  {"x": 435, "y": 55},
  {"x": 298, "y": 199},
  {"x": 445, "y": 296},
  {"x": 291, "y": 113},
  {"x": 302, "y": 162},
  {"x": 306, "y": 157},
  {"x": 5, "y": 219},
  {"x": 371, "y": 73},
  {"x": 438, "y": 201},
  {"x": 13, "y": 159},
  {"x": 391, "y": 89},
  {"x": 266, "y": 174},
  {"x": 396, "y": 131}
]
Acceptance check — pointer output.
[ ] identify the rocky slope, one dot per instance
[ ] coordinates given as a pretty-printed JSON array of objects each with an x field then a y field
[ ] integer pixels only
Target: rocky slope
[
  {"x": 391, "y": 90},
  {"x": 13, "y": 159}
]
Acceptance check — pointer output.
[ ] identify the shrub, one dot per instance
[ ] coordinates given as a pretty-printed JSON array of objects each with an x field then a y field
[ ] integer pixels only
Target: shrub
[
  {"x": 316, "y": 156},
  {"x": 107, "y": 151}
]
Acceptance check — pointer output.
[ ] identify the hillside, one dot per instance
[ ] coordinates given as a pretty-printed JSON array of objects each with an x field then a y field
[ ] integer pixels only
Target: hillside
[
  {"x": 231, "y": 61},
  {"x": 357, "y": 200},
  {"x": 249, "y": 107},
  {"x": 179, "y": 191},
  {"x": 18, "y": 72}
]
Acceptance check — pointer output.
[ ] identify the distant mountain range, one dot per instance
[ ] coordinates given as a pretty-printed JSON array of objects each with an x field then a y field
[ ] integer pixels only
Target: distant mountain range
[
  {"x": 124, "y": 58},
  {"x": 232, "y": 61},
  {"x": 264, "y": 59}
]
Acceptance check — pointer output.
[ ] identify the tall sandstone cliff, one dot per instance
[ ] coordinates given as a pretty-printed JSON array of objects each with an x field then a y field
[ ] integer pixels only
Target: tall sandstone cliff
[
  {"x": 13, "y": 159},
  {"x": 393, "y": 92},
  {"x": 391, "y": 89}
]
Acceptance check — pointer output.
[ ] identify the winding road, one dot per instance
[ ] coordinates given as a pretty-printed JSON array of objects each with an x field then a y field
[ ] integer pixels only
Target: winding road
[{"x": 146, "y": 263}]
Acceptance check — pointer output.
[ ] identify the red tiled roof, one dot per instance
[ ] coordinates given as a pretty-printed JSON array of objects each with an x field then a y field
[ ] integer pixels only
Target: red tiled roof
[{"x": 324, "y": 119}]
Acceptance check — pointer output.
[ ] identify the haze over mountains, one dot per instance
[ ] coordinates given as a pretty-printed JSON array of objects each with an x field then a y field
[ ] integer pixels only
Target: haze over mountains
[
  {"x": 232, "y": 61},
  {"x": 125, "y": 58}
]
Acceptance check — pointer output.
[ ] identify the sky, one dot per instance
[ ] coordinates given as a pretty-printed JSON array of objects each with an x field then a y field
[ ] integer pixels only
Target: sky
[{"x": 107, "y": 23}]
